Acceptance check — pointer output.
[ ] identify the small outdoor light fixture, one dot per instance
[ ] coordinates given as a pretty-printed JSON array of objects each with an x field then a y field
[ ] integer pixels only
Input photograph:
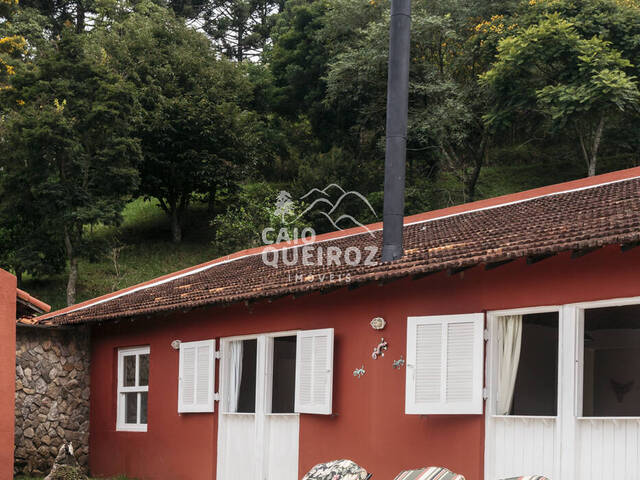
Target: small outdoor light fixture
[
  {"x": 176, "y": 344},
  {"x": 378, "y": 323}
]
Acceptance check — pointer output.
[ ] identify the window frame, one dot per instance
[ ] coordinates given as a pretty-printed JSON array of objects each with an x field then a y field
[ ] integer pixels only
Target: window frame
[
  {"x": 492, "y": 358},
  {"x": 267, "y": 338},
  {"x": 121, "y": 425},
  {"x": 579, "y": 311}
]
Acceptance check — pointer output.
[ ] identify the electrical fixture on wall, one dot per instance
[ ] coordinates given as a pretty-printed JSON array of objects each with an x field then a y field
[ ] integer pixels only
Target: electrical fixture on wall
[{"x": 378, "y": 323}]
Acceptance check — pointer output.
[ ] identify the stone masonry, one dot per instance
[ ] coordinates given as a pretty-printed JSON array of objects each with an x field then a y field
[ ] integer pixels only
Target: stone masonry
[{"x": 52, "y": 396}]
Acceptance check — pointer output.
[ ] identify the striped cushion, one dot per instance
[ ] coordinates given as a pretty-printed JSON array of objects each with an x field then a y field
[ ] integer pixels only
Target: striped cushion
[
  {"x": 528, "y": 477},
  {"x": 337, "y": 470},
  {"x": 430, "y": 473}
]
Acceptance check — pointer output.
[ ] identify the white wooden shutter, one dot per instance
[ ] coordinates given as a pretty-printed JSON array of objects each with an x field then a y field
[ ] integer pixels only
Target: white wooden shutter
[
  {"x": 197, "y": 376},
  {"x": 314, "y": 372},
  {"x": 445, "y": 355}
]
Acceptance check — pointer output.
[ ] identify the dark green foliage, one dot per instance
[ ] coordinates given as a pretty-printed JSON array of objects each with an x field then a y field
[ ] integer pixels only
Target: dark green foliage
[
  {"x": 194, "y": 129},
  {"x": 66, "y": 144},
  {"x": 560, "y": 64},
  {"x": 241, "y": 28}
]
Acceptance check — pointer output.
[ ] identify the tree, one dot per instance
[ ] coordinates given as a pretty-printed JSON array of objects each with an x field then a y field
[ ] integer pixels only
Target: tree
[
  {"x": 63, "y": 13},
  {"x": 12, "y": 46},
  {"x": 31, "y": 242},
  {"x": 241, "y": 28},
  {"x": 446, "y": 105},
  {"x": 298, "y": 58},
  {"x": 68, "y": 141},
  {"x": 195, "y": 132},
  {"x": 557, "y": 69}
]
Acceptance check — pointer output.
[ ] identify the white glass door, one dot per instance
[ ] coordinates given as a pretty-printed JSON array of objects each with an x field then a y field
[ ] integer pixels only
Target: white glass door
[{"x": 258, "y": 431}]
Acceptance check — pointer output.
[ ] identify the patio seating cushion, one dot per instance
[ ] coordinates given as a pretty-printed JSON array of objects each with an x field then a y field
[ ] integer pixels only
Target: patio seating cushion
[
  {"x": 528, "y": 477},
  {"x": 337, "y": 470},
  {"x": 429, "y": 473}
]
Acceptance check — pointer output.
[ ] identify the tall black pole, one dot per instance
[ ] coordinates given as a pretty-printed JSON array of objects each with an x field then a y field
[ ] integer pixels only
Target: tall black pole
[{"x": 397, "y": 117}]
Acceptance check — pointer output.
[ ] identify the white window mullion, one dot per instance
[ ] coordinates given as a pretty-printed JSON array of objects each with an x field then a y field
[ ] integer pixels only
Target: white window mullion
[{"x": 568, "y": 348}]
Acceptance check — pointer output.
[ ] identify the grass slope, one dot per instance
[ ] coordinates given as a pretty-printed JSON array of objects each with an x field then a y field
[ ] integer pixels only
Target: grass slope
[{"x": 143, "y": 251}]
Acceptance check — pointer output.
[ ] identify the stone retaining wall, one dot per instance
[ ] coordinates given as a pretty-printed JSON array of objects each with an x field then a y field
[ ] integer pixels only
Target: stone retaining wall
[{"x": 52, "y": 396}]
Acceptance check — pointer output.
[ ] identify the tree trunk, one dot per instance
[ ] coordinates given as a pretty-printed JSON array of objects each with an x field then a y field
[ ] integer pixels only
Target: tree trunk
[
  {"x": 590, "y": 152},
  {"x": 211, "y": 205},
  {"x": 472, "y": 180},
  {"x": 80, "y": 14},
  {"x": 19, "y": 272},
  {"x": 176, "y": 228},
  {"x": 479, "y": 157},
  {"x": 73, "y": 268}
]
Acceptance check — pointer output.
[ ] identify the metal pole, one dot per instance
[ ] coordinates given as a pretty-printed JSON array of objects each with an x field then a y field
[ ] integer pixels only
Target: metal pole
[{"x": 397, "y": 118}]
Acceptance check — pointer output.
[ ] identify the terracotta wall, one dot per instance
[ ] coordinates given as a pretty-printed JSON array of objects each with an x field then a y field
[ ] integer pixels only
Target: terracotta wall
[
  {"x": 7, "y": 371},
  {"x": 369, "y": 425}
]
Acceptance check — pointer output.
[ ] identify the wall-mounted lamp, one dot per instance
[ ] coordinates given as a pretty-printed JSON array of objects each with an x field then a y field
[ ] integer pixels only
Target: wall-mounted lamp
[{"x": 378, "y": 323}]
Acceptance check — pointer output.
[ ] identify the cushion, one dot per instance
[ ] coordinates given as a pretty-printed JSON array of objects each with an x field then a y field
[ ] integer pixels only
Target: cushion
[
  {"x": 528, "y": 477},
  {"x": 337, "y": 470},
  {"x": 429, "y": 473}
]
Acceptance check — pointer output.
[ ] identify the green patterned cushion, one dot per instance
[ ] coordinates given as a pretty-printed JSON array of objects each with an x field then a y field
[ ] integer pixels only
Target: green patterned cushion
[
  {"x": 337, "y": 470},
  {"x": 430, "y": 473}
]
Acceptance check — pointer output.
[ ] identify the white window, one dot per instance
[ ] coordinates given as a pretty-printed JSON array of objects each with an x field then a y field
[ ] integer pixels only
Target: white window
[
  {"x": 444, "y": 364},
  {"x": 133, "y": 388},
  {"x": 297, "y": 369},
  {"x": 314, "y": 372},
  {"x": 611, "y": 362},
  {"x": 197, "y": 376}
]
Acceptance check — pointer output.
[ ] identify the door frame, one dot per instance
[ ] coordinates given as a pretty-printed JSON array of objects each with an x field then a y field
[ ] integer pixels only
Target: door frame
[
  {"x": 491, "y": 369},
  {"x": 264, "y": 372},
  {"x": 570, "y": 365}
]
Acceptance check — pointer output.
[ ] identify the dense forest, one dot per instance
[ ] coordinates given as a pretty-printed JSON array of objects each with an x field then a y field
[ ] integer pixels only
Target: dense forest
[{"x": 142, "y": 136}]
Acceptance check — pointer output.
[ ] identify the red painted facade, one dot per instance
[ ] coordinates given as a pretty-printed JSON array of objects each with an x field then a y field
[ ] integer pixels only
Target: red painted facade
[
  {"x": 7, "y": 371},
  {"x": 369, "y": 425}
]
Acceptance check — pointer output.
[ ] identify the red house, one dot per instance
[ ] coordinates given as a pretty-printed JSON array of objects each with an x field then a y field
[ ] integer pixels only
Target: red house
[
  {"x": 14, "y": 303},
  {"x": 506, "y": 341}
]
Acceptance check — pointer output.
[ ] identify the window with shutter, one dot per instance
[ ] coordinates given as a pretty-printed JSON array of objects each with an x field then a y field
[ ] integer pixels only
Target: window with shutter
[
  {"x": 197, "y": 376},
  {"x": 444, "y": 364},
  {"x": 314, "y": 372}
]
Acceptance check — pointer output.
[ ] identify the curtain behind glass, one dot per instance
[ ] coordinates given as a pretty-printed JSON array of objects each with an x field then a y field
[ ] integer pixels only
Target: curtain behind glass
[
  {"x": 509, "y": 343},
  {"x": 235, "y": 375}
]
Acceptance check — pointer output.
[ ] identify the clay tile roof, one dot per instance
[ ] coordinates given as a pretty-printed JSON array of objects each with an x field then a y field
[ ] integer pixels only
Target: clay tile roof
[
  {"x": 28, "y": 306},
  {"x": 579, "y": 215}
]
